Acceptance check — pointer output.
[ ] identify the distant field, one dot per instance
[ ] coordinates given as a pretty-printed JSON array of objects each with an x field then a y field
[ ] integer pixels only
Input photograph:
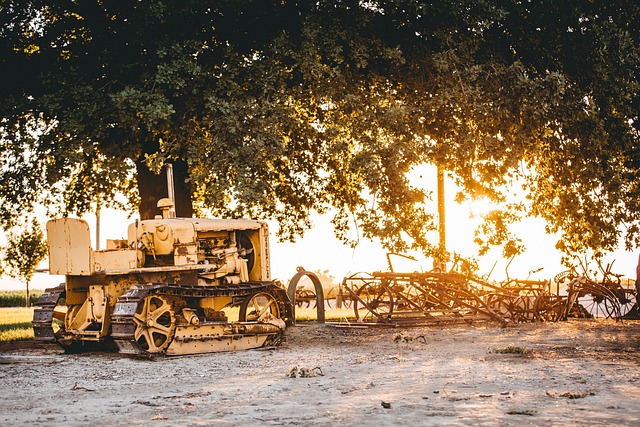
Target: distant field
[
  {"x": 17, "y": 298},
  {"x": 15, "y": 324}
]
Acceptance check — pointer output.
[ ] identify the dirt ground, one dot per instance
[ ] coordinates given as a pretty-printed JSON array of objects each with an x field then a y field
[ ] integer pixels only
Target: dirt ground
[{"x": 581, "y": 372}]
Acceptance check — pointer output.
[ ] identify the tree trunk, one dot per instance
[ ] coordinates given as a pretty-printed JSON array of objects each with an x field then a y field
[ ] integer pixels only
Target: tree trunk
[
  {"x": 152, "y": 187},
  {"x": 28, "y": 304}
]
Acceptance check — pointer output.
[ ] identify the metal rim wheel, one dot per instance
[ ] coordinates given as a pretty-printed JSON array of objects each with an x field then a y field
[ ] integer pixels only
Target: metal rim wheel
[
  {"x": 499, "y": 304},
  {"x": 523, "y": 308},
  {"x": 629, "y": 302},
  {"x": 155, "y": 324},
  {"x": 305, "y": 298},
  {"x": 594, "y": 304},
  {"x": 373, "y": 299},
  {"x": 549, "y": 308},
  {"x": 409, "y": 298},
  {"x": 259, "y": 307},
  {"x": 625, "y": 300}
]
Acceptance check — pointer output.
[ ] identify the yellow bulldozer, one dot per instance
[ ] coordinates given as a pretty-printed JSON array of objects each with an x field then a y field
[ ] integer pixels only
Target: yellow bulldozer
[{"x": 175, "y": 286}]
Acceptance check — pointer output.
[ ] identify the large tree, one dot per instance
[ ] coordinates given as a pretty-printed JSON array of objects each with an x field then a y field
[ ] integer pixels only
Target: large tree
[{"x": 279, "y": 109}]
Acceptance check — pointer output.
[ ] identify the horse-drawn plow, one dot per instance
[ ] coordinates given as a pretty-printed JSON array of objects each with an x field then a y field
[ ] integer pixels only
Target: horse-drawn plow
[{"x": 416, "y": 298}]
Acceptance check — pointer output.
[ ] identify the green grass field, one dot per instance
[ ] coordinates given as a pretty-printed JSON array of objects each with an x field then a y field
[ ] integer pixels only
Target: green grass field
[{"x": 15, "y": 324}]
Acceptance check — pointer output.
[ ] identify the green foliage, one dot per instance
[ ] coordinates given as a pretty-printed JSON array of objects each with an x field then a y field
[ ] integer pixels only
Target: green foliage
[
  {"x": 25, "y": 249},
  {"x": 279, "y": 109},
  {"x": 18, "y": 298}
]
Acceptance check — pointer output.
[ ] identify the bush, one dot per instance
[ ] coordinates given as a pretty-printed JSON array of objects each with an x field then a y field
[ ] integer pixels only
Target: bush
[{"x": 17, "y": 298}]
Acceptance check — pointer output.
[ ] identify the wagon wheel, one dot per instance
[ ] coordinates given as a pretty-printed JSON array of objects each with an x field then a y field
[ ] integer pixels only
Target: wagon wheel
[
  {"x": 259, "y": 306},
  {"x": 155, "y": 323},
  {"x": 305, "y": 298},
  {"x": 523, "y": 309},
  {"x": 347, "y": 302},
  {"x": 594, "y": 305},
  {"x": 409, "y": 298},
  {"x": 330, "y": 298},
  {"x": 350, "y": 286},
  {"x": 625, "y": 301},
  {"x": 499, "y": 304},
  {"x": 373, "y": 300},
  {"x": 549, "y": 308}
]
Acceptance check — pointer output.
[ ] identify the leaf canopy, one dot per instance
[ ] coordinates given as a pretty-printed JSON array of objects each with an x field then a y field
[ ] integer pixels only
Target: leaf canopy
[{"x": 278, "y": 109}]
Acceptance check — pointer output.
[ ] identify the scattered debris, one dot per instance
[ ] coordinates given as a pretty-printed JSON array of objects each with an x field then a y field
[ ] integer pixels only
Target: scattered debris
[
  {"x": 146, "y": 403},
  {"x": 527, "y": 412},
  {"x": 385, "y": 405},
  {"x": 406, "y": 338},
  {"x": 78, "y": 387},
  {"x": 511, "y": 349},
  {"x": 192, "y": 395},
  {"x": 571, "y": 395},
  {"x": 298, "y": 372}
]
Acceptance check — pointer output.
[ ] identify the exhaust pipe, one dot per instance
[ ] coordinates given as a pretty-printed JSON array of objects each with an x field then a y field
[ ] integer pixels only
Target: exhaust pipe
[
  {"x": 170, "y": 186},
  {"x": 171, "y": 190}
]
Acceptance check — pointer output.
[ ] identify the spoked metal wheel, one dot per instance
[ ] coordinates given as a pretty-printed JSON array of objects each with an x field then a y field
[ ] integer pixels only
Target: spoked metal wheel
[
  {"x": 500, "y": 304},
  {"x": 625, "y": 300},
  {"x": 523, "y": 308},
  {"x": 155, "y": 323},
  {"x": 260, "y": 306},
  {"x": 594, "y": 305},
  {"x": 550, "y": 308},
  {"x": 305, "y": 298},
  {"x": 373, "y": 300},
  {"x": 409, "y": 298}
]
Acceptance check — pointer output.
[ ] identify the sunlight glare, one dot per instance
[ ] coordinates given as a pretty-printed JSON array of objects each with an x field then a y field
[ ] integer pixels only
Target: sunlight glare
[{"x": 479, "y": 208}]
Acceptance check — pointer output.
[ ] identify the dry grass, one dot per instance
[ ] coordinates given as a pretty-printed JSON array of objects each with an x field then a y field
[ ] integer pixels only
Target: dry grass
[
  {"x": 15, "y": 324},
  {"x": 512, "y": 349},
  {"x": 331, "y": 315}
]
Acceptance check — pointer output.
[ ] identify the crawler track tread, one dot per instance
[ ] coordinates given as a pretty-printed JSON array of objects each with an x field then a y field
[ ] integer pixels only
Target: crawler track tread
[
  {"x": 43, "y": 314},
  {"x": 123, "y": 327}
]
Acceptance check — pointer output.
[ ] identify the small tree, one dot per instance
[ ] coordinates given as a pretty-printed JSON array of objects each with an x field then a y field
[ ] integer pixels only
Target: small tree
[{"x": 25, "y": 249}]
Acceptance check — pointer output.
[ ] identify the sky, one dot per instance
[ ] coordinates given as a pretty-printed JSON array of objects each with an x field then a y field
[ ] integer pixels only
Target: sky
[{"x": 320, "y": 250}]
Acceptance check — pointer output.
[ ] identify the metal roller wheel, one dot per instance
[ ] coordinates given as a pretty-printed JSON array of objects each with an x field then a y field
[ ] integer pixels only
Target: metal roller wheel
[
  {"x": 258, "y": 307},
  {"x": 155, "y": 323}
]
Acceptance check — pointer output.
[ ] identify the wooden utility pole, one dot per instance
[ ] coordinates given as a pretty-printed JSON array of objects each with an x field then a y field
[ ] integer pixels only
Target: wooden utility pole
[
  {"x": 97, "y": 226},
  {"x": 442, "y": 235}
]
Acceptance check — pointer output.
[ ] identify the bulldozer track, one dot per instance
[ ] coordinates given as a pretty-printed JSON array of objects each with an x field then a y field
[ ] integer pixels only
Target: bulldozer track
[
  {"x": 123, "y": 325},
  {"x": 43, "y": 314}
]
